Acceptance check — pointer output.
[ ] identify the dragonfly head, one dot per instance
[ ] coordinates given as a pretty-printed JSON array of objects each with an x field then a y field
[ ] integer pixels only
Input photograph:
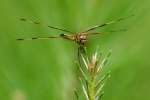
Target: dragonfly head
[{"x": 81, "y": 39}]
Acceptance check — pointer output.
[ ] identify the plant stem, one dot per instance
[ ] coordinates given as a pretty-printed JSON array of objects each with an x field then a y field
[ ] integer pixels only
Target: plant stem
[
  {"x": 91, "y": 89},
  {"x": 90, "y": 70}
]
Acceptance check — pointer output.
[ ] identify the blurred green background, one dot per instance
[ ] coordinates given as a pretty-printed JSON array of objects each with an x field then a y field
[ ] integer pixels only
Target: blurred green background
[{"x": 44, "y": 69}]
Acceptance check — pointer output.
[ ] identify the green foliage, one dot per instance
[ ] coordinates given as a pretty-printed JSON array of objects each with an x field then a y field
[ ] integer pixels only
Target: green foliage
[
  {"x": 91, "y": 79},
  {"x": 43, "y": 69}
]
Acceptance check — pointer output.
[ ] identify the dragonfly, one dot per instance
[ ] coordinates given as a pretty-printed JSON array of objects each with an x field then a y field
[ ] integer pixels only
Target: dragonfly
[{"x": 78, "y": 37}]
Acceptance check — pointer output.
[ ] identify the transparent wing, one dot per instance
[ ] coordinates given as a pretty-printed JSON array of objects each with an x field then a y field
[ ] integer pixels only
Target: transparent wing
[
  {"x": 35, "y": 38},
  {"x": 97, "y": 33},
  {"x": 108, "y": 23},
  {"x": 38, "y": 23}
]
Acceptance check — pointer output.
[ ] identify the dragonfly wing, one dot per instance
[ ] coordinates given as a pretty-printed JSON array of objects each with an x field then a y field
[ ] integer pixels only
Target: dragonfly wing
[
  {"x": 36, "y": 38},
  {"x": 38, "y": 23},
  {"x": 108, "y": 23},
  {"x": 94, "y": 33},
  {"x": 97, "y": 33}
]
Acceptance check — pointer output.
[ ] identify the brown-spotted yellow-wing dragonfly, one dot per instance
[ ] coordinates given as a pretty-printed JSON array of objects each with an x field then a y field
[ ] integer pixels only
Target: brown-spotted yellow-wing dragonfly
[{"x": 80, "y": 37}]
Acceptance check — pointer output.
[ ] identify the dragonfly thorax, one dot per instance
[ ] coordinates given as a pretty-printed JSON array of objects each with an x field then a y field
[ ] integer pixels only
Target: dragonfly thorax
[{"x": 81, "y": 38}]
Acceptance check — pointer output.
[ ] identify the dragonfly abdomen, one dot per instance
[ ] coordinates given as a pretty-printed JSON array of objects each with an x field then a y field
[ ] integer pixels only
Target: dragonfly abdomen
[{"x": 68, "y": 37}]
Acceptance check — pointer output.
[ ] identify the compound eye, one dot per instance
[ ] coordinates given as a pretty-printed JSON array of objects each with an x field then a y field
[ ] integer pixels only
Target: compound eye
[{"x": 83, "y": 37}]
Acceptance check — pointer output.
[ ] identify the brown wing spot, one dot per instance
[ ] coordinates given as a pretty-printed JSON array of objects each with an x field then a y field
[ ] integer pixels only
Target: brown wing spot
[
  {"x": 23, "y": 19},
  {"x": 20, "y": 39},
  {"x": 34, "y": 38}
]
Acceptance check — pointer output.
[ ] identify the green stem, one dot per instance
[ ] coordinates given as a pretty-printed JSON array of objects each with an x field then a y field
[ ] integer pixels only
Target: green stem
[{"x": 91, "y": 88}]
